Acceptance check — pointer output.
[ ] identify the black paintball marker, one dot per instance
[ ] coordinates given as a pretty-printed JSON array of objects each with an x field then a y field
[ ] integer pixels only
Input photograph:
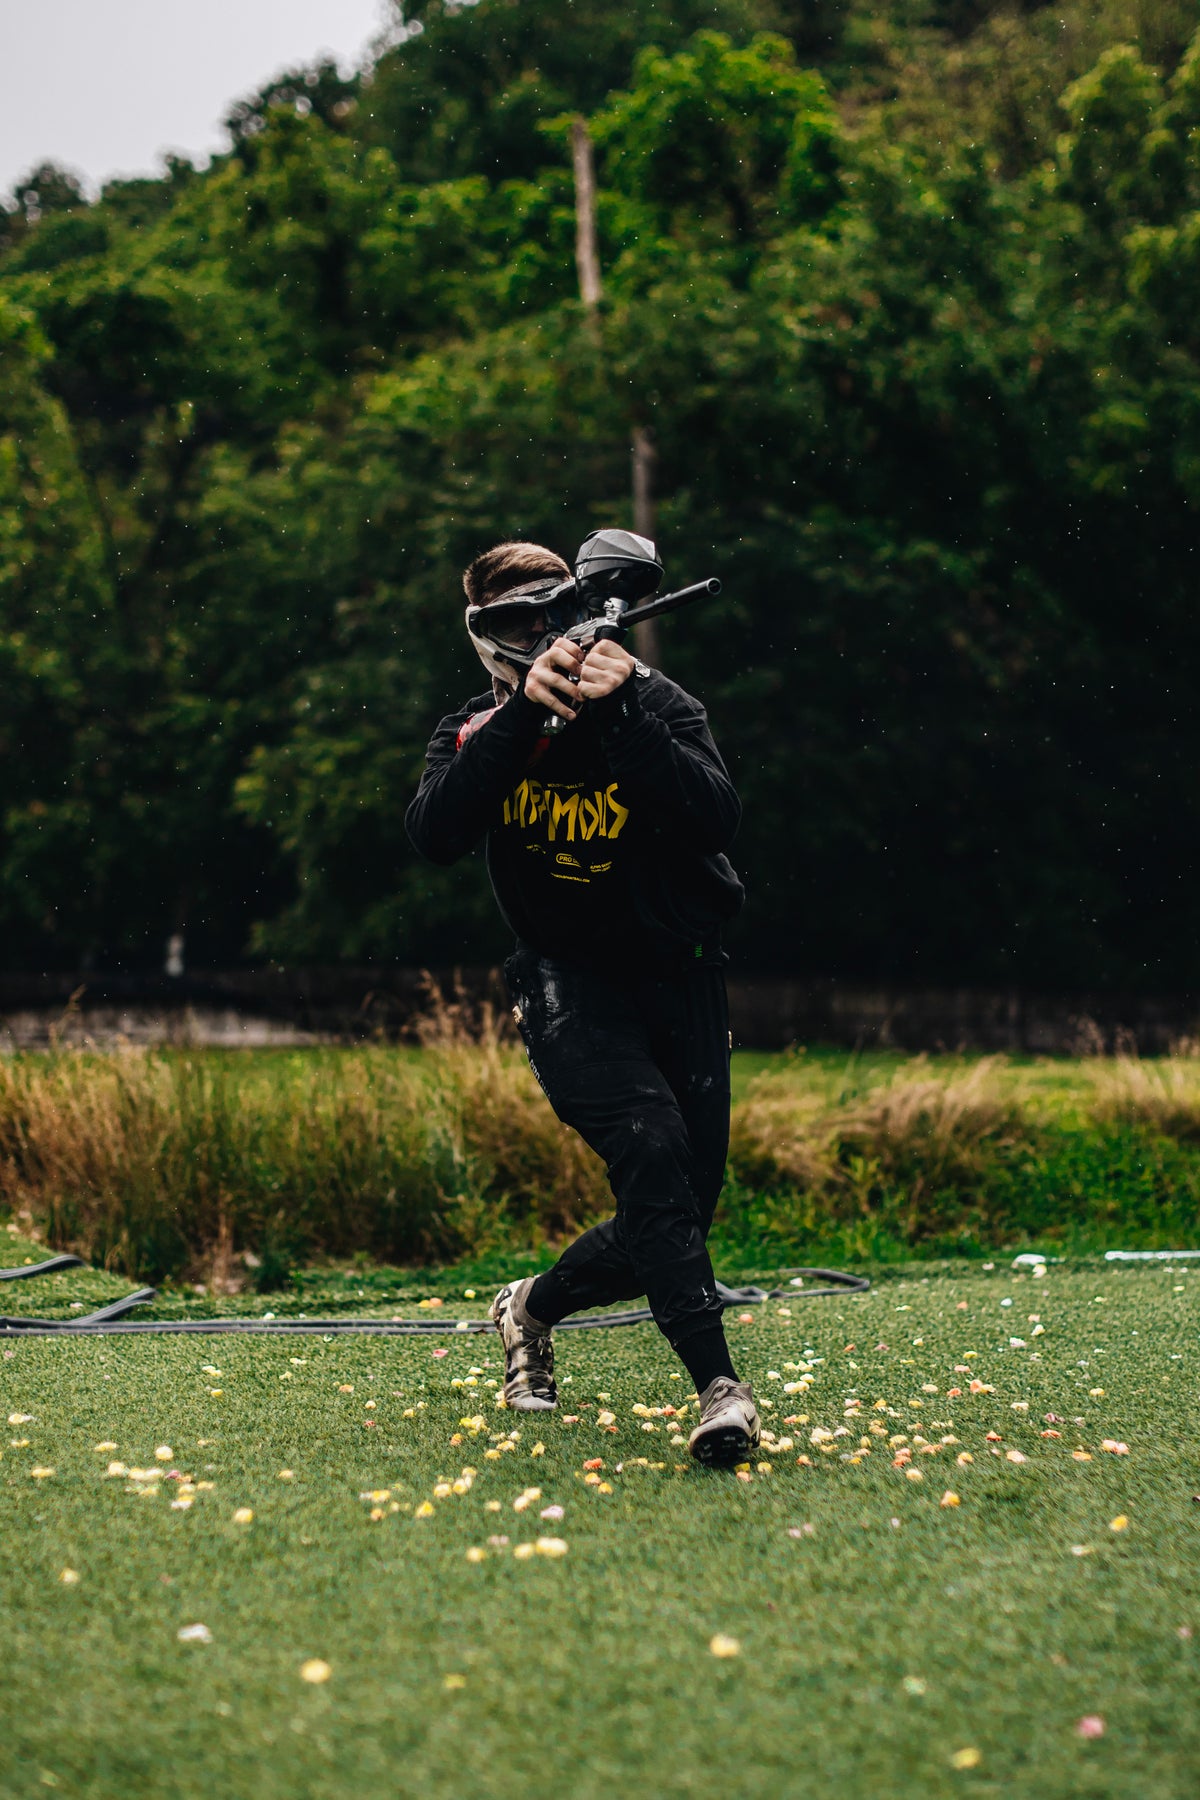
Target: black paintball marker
[
  {"x": 612, "y": 570},
  {"x": 619, "y": 617}
]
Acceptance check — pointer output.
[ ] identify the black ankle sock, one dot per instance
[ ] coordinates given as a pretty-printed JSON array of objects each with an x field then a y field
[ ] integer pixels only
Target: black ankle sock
[
  {"x": 705, "y": 1355},
  {"x": 547, "y": 1300}
]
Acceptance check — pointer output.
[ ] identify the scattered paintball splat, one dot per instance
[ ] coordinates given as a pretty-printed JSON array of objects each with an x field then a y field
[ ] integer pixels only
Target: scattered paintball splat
[
  {"x": 724, "y": 1646},
  {"x": 1090, "y": 1726}
]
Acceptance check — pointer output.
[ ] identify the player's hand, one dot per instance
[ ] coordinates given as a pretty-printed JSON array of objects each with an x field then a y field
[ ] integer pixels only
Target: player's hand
[
  {"x": 551, "y": 682},
  {"x": 606, "y": 667}
]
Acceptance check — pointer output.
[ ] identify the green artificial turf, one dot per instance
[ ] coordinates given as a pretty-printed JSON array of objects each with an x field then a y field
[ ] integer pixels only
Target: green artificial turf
[{"x": 880, "y": 1633}]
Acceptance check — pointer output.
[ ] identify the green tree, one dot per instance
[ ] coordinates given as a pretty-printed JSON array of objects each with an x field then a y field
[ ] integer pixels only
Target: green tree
[{"x": 917, "y": 348}]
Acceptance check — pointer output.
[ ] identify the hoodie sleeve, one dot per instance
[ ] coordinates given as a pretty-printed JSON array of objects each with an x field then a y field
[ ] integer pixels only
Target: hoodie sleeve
[
  {"x": 462, "y": 788},
  {"x": 663, "y": 754}
]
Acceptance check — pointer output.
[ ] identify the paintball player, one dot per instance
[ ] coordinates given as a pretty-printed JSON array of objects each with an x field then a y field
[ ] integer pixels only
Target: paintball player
[{"x": 605, "y": 848}]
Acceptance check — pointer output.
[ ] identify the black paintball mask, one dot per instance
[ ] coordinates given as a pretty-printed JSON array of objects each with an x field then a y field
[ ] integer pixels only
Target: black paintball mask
[{"x": 512, "y": 632}]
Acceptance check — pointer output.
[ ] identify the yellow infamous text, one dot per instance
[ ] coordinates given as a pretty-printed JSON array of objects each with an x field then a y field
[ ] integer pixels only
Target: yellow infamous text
[{"x": 566, "y": 814}]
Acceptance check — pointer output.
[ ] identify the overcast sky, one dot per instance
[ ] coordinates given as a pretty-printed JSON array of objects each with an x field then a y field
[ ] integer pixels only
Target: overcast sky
[{"x": 105, "y": 86}]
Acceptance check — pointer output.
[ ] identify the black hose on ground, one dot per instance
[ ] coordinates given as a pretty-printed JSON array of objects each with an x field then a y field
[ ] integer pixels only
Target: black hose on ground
[
  {"x": 51, "y": 1264},
  {"x": 110, "y": 1320}
]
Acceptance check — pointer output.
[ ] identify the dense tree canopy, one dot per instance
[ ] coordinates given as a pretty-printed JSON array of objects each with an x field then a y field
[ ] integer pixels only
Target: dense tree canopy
[{"x": 906, "y": 296}]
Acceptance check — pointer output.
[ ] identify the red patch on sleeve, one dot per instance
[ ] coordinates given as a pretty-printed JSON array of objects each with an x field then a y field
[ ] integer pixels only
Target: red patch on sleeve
[{"x": 470, "y": 726}]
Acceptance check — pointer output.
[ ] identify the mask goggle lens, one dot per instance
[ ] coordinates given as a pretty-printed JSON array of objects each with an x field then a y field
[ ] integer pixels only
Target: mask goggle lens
[
  {"x": 520, "y": 624},
  {"x": 517, "y": 626}
]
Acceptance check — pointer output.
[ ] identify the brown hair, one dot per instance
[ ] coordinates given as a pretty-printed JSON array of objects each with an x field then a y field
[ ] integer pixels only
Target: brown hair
[{"x": 506, "y": 566}]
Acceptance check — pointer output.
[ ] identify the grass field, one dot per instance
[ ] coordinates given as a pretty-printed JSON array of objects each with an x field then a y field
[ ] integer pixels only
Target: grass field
[{"x": 885, "y": 1641}]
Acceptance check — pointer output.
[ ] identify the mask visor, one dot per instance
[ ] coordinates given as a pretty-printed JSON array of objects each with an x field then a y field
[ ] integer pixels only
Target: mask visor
[
  {"x": 511, "y": 624},
  {"x": 520, "y": 622}
]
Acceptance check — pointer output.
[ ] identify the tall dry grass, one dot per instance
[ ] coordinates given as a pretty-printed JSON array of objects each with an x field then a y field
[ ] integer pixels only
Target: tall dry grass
[
  {"x": 1163, "y": 1095},
  {"x": 160, "y": 1163},
  {"x": 919, "y": 1140},
  {"x": 166, "y": 1162}
]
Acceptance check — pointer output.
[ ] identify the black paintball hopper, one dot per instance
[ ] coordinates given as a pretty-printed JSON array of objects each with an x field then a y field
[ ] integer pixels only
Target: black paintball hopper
[{"x": 619, "y": 565}]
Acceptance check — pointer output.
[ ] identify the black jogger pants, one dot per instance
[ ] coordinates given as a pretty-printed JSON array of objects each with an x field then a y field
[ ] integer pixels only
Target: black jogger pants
[{"x": 638, "y": 1065}]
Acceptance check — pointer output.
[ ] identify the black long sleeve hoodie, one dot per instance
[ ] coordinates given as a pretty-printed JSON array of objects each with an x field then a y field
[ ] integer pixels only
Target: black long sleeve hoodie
[{"x": 612, "y": 832}]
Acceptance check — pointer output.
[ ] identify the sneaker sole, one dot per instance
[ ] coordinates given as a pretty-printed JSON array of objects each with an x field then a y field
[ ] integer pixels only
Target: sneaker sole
[{"x": 722, "y": 1446}]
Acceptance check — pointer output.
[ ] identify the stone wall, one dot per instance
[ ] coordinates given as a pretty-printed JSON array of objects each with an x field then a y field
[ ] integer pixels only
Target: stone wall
[{"x": 257, "y": 1007}]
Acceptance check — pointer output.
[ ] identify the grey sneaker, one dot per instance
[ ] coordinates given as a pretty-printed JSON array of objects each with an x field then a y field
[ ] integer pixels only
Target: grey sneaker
[
  {"x": 528, "y": 1351},
  {"x": 728, "y": 1430}
]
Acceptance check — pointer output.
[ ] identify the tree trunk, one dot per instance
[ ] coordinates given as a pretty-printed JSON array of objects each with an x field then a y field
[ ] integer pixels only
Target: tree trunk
[
  {"x": 591, "y": 292},
  {"x": 587, "y": 255},
  {"x": 644, "y": 456}
]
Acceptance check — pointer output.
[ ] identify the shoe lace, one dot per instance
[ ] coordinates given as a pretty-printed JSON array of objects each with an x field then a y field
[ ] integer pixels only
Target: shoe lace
[{"x": 722, "y": 1389}]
